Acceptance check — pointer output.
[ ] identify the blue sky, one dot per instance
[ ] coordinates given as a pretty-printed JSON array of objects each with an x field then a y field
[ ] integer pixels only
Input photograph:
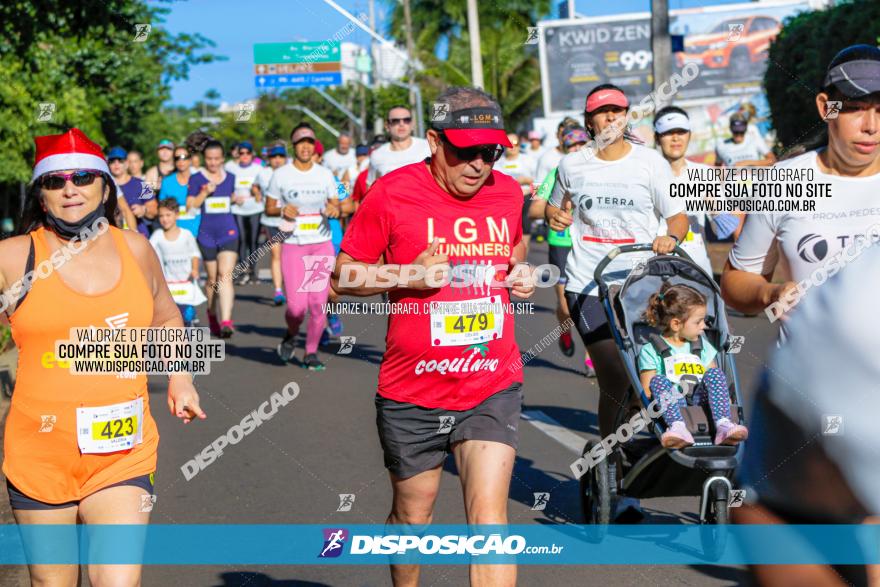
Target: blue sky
[{"x": 235, "y": 26}]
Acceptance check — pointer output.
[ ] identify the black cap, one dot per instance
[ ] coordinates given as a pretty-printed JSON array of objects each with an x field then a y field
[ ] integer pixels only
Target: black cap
[
  {"x": 855, "y": 71},
  {"x": 481, "y": 125}
]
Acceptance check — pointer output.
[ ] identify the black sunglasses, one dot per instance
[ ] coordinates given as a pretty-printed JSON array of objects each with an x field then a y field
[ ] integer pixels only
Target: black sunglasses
[
  {"x": 490, "y": 153},
  {"x": 181, "y": 157},
  {"x": 245, "y": 152},
  {"x": 56, "y": 181},
  {"x": 393, "y": 121}
]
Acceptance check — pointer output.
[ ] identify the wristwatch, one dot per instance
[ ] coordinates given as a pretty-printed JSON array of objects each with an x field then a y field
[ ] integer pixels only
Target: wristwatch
[{"x": 675, "y": 238}]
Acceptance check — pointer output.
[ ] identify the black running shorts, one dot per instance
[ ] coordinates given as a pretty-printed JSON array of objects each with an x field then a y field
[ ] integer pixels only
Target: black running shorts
[{"x": 416, "y": 439}]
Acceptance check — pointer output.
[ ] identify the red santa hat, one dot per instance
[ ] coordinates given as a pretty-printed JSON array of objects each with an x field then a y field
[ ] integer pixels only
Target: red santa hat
[{"x": 71, "y": 150}]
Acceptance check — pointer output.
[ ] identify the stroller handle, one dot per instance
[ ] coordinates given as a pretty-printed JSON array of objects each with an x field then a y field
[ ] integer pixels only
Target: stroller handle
[{"x": 624, "y": 249}]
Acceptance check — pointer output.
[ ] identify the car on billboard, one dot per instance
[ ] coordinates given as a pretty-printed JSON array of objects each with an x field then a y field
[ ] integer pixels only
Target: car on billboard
[{"x": 734, "y": 44}]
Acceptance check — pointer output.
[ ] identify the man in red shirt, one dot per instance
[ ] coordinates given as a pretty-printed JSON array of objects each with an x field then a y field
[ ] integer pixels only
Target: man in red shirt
[{"x": 451, "y": 376}]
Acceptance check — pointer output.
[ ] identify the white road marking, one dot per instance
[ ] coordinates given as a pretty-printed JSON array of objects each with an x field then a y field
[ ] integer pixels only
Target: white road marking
[{"x": 555, "y": 430}]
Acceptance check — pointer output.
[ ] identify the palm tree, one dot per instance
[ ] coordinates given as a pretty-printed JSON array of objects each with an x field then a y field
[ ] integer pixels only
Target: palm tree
[{"x": 511, "y": 70}]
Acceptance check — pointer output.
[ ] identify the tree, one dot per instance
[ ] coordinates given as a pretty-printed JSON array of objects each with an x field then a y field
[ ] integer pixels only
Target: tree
[
  {"x": 799, "y": 57},
  {"x": 97, "y": 68},
  {"x": 511, "y": 71},
  {"x": 272, "y": 119}
]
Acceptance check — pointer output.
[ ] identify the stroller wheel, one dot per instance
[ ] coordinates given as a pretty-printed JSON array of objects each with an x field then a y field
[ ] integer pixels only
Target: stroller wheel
[
  {"x": 596, "y": 494},
  {"x": 719, "y": 512},
  {"x": 713, "y": 532}
]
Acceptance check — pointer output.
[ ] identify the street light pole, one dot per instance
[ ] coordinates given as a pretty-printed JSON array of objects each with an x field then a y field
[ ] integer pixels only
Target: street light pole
[
  {"x": 411, "y": 49},
  {"x": 309, "y": 112},
  {"x": 474, "y": 34},
  {"x": 661, "y": 45}
]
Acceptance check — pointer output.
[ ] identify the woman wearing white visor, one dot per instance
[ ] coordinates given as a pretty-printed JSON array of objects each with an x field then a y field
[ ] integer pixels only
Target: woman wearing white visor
[{"x": 672, "y": 133}]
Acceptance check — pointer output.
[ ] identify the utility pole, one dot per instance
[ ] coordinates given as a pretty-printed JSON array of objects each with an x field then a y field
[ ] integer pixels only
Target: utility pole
[
  {"x": 474, "y": 34},
  {"x": 661, "y": 45},
  {"x": 411, "y": 49},
  {"x": 377, "y": 67}
]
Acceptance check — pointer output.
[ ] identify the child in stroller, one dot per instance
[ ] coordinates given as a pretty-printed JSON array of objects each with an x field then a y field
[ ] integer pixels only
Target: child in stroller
[{"x": 683, "y": 357}]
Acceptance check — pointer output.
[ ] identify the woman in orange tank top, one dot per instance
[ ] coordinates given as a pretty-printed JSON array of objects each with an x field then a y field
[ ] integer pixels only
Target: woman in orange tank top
[{"x": 56, "y": 473}]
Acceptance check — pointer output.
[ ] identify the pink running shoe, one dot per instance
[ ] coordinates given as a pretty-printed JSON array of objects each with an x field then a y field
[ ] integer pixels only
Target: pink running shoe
[
  {"x": 726, "y": 432},
  {"x": 677, "y": 436},
  {"x": 589, "y": 369},
  {"x": 226, "y": 329}
]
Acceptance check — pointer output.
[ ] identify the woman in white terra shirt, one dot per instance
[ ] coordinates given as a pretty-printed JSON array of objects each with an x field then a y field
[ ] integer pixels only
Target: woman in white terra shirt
[
  {"x": 815, "y": 245},
  {"x": 304, "y": 194},
  {"x": 610, "y": 197}
]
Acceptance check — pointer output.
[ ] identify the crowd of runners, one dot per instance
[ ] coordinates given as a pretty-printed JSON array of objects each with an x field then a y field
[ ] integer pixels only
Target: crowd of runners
[{"x": 199, "y": 221}]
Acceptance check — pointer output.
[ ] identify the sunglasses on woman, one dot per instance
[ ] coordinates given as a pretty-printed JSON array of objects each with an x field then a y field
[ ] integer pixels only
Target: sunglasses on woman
[
  {"x": 490, "y": 153},
  {"x": 181, "y": 157},
  {"x": 81, "y": 178}
]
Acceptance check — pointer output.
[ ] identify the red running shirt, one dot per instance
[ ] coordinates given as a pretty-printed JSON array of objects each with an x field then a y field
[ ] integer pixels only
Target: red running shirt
[{"x": 455, "y": 346}]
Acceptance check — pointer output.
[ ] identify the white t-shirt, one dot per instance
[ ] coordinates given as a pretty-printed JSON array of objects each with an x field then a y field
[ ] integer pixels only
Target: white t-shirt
[
  {"x": 535, "y": 154},
  {"x": 263, "y": 179},
  {"x": 694, "y": 243},
  {"x": 750, "y": 149},
  {"x": 522, "y": 166},
  {"x": 337, "y": 163},
  {"x": 244, "y": 179},
  {"x": 823, "y": 379},
  {"x": 354, "y": 171},
  {"x": 383, "y": 160},
  {"x": 809, "y": 241},
  {"x": 614, "y": 203},
  {"x": 309, "y": 192},
  {"x": 176, "y": 256},
  {"x": 547, "y": 163}
]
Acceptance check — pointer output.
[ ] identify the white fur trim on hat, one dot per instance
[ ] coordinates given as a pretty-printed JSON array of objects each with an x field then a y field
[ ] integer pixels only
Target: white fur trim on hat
[{"x": 69, "y": 161}]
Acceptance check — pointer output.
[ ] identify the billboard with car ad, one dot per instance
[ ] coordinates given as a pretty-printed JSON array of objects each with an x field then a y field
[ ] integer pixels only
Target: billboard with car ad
[{"x": 729, "y": 43}]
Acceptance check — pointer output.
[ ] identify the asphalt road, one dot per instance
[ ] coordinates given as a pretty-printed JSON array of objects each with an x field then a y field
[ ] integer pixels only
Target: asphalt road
[{"x": 292, "y": 468}]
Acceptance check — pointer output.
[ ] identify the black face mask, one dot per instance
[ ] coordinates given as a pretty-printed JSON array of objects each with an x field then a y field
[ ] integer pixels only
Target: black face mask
[{"x": 67, "y": 230}]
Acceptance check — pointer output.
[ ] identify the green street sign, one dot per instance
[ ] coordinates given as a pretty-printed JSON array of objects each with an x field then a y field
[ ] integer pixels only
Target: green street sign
[{"x": 309, "y": 52}]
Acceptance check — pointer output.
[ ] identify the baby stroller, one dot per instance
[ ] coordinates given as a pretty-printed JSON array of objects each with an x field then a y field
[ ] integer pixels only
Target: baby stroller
[{"x": 642, "y": 468}]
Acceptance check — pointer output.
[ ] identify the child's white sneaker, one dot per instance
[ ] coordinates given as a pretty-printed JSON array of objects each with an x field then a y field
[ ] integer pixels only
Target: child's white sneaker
[
  {"x": 677, "y": 436},
  {"x": 726, "y": 432}
]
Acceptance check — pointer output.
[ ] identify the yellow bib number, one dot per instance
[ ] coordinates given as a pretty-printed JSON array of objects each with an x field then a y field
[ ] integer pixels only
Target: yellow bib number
[
  {"x": 689, "y": 369},
  {"x": 114, "y": 428},
  {"x": 469, "y": 323}
]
